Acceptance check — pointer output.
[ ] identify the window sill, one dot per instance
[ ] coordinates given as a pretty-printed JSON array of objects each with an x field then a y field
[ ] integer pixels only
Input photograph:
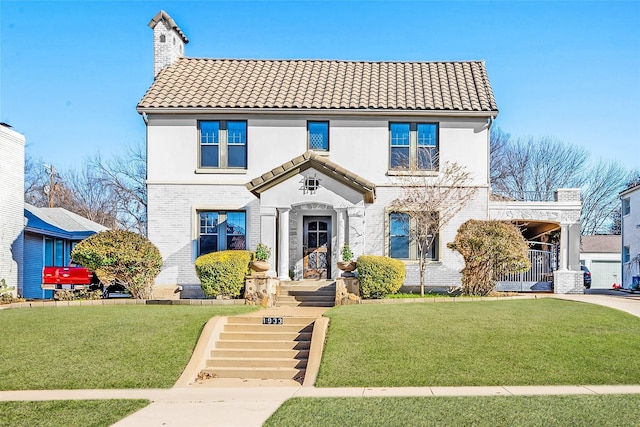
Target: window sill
[
  {"x": 220, "y": 171},
  {"x": 416, "y": 262},
  {"x": 412, "y": 173},
  {"x": 321, "y": 152}
]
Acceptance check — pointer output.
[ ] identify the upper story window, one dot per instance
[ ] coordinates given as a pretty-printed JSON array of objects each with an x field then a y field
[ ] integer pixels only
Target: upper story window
[
  {"x": 413, "y": 146},
  {"x": 626, "y": 206},
  {"x": 318, "y": 136},
  {"x": 222, "y": 230},
  {"x": 401, "y": 246},
  {"x": 223, "y": 144}
]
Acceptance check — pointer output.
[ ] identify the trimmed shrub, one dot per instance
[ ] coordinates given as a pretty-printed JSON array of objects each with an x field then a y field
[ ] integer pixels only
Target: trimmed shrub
[
  {"x": 222, "y": 273},
  {"x": 490, "y": 249},
  {"x": 121, "y": 257},
  {"x": 379, "y": 275},
  {"x": 82, "y": 294}
]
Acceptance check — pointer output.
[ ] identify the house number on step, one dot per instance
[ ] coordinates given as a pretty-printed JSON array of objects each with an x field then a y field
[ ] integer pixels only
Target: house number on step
[{"x": 272, "y": 321}]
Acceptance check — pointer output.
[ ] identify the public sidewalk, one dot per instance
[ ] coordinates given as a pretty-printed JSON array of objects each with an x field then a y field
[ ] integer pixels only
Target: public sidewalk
[{"x": 252, "y": 406}]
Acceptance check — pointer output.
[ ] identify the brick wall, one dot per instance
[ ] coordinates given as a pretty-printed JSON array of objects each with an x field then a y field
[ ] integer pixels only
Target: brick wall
[
  {"x": 445, "y": 272},
  {"x": 167, "y": 51},
  {"x": 172, "y": 212}
]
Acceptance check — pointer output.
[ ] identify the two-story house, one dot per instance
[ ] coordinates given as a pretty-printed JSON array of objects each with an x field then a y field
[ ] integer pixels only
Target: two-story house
[
  {"x": 306, "y": 155},
  {"x": 631, "y": 237}
]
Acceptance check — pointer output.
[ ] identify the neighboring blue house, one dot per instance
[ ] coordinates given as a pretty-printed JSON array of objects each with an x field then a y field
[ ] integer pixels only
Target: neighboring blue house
[{"x": 49, "y": 237}]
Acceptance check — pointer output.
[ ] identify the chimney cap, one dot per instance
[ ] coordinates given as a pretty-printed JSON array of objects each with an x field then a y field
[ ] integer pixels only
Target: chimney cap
[{"x": 162, "y": 15}]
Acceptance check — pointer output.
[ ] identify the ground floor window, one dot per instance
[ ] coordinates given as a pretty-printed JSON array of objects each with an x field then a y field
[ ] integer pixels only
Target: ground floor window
[
  {"x": 54, "y": 252},
  {"x": 221, "y": 230},
  {"x": 402, "y": 244}
]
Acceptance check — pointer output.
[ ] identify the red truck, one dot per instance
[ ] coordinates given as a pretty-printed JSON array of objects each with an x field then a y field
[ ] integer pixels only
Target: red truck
[{"x": 72, "y": 278}]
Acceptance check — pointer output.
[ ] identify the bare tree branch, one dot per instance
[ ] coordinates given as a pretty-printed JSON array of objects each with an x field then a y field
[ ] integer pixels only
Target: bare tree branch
[{"x": 431, "y": 202}]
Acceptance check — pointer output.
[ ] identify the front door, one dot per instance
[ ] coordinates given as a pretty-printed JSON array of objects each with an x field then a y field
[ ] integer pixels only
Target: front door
[{"x": 317, "y": 247}]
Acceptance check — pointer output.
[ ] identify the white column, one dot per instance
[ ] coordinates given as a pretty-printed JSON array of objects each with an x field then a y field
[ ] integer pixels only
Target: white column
[
  {"x": 268, "y": 234},
  {"x": 564, "y": 246},
  {"x": 341, "y": 235},
  {"x": 283, "y": 244}
]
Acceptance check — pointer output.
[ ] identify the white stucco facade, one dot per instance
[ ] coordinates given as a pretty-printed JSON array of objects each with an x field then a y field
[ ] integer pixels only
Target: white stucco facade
[{"x": 178, "y": 190}]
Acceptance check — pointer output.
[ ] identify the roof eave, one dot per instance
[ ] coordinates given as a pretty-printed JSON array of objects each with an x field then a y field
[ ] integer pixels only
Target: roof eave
[
  {"x": 316, "y": 111},
  {"x": 311, "y": 160}
]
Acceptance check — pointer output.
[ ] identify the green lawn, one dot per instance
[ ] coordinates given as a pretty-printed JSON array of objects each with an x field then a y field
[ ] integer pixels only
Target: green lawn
[
  {"x": 518, "y": 342},
  {"x": 511, "y": 411},
  {"x": 67, "y": 413},
  {"x": 119, "y": 346}
]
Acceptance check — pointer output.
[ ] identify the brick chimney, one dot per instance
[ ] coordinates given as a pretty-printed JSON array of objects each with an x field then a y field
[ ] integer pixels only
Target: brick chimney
[{"x": 168, "y": 41}]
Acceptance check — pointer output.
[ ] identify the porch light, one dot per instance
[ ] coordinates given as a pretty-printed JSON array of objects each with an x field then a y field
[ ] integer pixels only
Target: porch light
[{"x": 310, "y": 184}]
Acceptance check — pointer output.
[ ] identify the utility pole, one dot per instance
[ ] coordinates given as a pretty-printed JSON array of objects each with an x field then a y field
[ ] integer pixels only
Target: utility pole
[{"x": 51, "y": 171}]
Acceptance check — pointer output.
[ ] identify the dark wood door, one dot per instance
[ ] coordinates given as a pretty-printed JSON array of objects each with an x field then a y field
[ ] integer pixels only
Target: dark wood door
[{"x": 317, "y": 247}]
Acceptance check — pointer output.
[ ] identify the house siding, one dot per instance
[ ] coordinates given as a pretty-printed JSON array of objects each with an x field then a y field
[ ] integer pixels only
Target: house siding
[
  {"x": 11, "y": 207},
  {"x": 34, "y": 252},
  {"x": 631, "y": 236}
]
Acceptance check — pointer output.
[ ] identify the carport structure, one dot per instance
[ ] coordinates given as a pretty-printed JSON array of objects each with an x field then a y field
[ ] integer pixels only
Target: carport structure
[{"x": 554, "y": 260}]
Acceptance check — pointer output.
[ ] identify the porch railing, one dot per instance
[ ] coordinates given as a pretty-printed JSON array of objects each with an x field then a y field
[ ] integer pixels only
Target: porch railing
[{"x": 544, "y": 262}]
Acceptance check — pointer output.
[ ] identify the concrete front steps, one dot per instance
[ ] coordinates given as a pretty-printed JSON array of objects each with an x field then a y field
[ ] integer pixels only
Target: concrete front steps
[
  {"x": 249, "y": 349},
  {"x": 307, "y": 293}
]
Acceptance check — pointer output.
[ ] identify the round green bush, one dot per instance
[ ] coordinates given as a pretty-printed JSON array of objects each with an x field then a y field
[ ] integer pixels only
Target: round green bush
[
  {"x": 379, "y": 276},
  {"x": 222, "y": 273},
  {"x": 124, "y": 257}
]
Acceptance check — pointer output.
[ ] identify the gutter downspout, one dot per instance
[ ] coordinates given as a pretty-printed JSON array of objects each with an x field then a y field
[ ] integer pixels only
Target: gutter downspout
[{"x": 490, "y": 121}]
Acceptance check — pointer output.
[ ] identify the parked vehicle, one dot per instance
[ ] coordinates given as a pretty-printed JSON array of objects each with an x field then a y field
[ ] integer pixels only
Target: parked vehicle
[
  {"x": 586, "y": 276},
  {"x": 72, "y": 277}
]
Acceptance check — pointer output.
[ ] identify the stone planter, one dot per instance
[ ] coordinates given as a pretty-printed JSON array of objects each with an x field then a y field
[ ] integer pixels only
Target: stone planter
[
  {"x": 262, "y": 291},
  {"x": 260, "y": 267},
  {"x": 348, "y": 267}
]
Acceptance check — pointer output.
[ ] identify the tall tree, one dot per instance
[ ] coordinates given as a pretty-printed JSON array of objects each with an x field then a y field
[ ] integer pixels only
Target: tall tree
[
  {"x": 431, "y": 202},
  {"x": 110, "y": 192},
  {"x": 125, "y": 178}
]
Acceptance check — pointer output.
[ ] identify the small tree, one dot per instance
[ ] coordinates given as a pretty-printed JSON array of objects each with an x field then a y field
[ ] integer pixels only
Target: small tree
[
  {"x": 122, "y": 257},
  {"x": 490, "y": 249},
  {"x": 431, "y": 202}
]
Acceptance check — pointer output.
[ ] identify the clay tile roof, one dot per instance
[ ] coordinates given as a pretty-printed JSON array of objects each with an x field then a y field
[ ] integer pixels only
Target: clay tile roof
[
  {"x": 607, "y": 243},
  {"x": 319, "y": 84},
  {"x": 322, "y": 164}
]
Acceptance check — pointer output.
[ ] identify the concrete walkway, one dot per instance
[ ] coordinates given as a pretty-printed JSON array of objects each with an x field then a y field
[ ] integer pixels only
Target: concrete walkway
[{"x": 229, "y": 405}]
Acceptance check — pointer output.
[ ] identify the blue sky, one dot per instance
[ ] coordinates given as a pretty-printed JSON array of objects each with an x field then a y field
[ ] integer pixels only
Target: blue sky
[{"x": 71, "y": 73}]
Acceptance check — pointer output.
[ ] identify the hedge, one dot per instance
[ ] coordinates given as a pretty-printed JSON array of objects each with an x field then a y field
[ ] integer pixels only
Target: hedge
[
  {"x": 222, "y": 273},
  {"x": 379, "y": 275}
]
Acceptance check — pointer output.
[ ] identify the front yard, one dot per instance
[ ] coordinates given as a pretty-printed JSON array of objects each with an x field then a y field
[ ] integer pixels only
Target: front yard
[
  {"x": 518, "y": 342},
  {"x": 118, "y": 346}
]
